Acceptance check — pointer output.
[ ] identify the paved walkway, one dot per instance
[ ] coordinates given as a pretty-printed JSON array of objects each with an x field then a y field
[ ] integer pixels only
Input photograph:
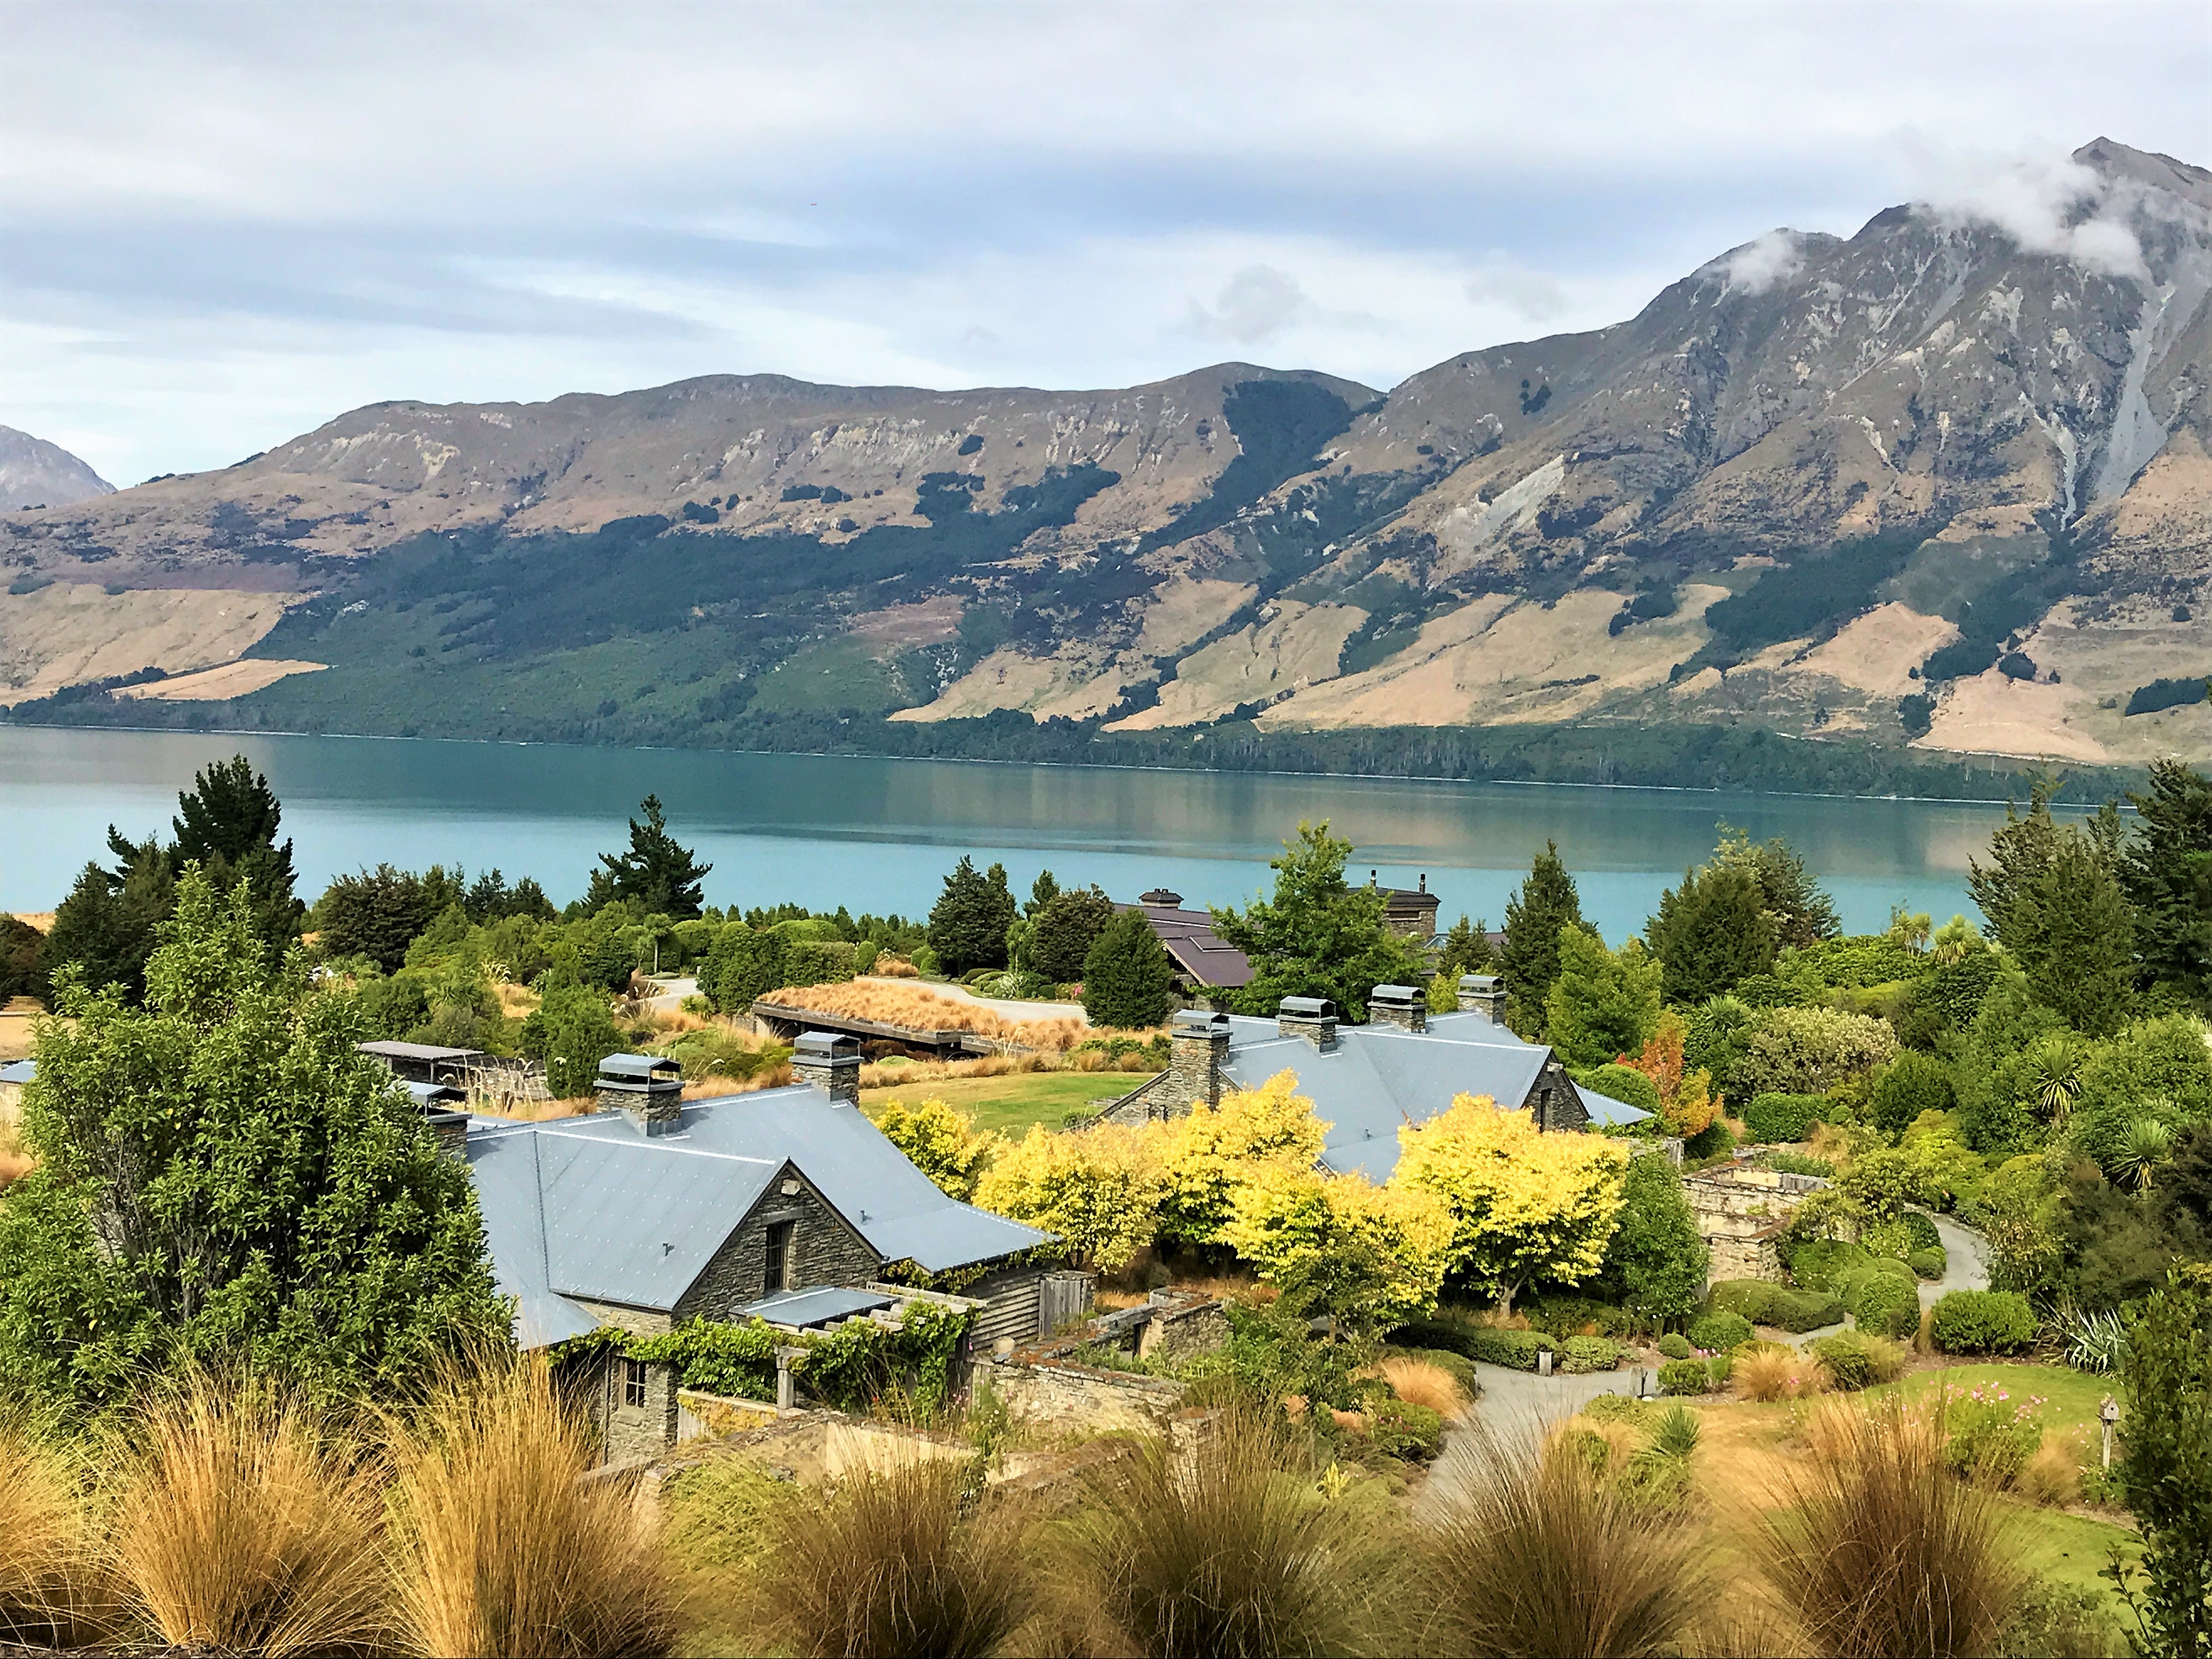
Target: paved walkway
[
  {"x": 1966, "y": 1266},
  {"x": 1515, "y": 1408}
]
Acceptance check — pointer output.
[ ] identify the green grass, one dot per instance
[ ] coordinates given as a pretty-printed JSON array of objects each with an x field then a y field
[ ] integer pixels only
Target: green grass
[
  {"x": 2072, "y": 1396},
  {"x": 1009, "y": 1104},
  {"x": 2069, "y": 1549}
]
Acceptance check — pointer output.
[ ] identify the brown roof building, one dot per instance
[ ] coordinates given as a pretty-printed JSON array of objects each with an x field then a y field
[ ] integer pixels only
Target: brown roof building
[{"x": 1206, "y": 961}]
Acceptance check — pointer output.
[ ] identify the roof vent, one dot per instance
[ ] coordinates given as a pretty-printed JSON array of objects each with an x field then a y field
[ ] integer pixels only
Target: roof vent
[{"x": 1313, "y": 1018}]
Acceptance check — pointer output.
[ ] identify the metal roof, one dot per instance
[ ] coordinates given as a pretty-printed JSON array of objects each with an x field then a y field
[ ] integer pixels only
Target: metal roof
[
  {"x": 430, "y": 1094},
  {"x": 21, "y": 1072},
  {"x": 418, "y": 1051},
  {"x": 1378, "y": 1078},
  {"x": 816, "y": 1307},
  {"x": 586, "y": 1206},
  {"x": 1188, "y": 938},
  {"x": 1604, "y": 1109}
]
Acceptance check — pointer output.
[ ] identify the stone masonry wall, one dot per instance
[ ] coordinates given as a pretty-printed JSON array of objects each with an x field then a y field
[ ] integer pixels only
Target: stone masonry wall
[
  {"x": 627, "y": 1433},
  {"x": 1053, "y": 1395},
  {"x": 824, "y": 1251}
]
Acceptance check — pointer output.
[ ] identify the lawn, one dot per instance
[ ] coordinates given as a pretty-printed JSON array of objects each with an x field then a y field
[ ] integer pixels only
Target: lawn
[
  {"x": 2071, "y": 1397},
  {"x": 1010, "y": 1104}
]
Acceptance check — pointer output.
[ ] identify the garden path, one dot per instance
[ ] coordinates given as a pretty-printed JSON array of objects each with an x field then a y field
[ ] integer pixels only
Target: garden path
[
  {"x": 1514, "y": 1407},
  {"x": 1966, "y": 1266}
]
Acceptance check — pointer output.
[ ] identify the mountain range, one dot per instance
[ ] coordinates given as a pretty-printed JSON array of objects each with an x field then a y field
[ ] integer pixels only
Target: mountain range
[{"x": 1940, "y": 487}]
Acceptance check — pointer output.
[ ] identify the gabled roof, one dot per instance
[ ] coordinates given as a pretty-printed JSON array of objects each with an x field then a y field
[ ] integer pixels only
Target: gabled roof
[
  {"x": 1188, "y": 938},
  {"x": 1379, "y": 1078},
  {"x": 587, "y": 1207}
]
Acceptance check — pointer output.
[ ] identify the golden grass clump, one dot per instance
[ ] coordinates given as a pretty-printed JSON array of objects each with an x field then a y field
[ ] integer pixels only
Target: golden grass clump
[
  {"x": 499, "y": 1546},
  {"x": 2051, "y": 1476},
  {"x": 1540, "y": 1555},
  {"x": 17, "y": 1160},
  {"x": 45, "y": 1569},
  {"x": 918, "y": 1009},
  {"x": 1876, "y": 1549},
  {"x": 247, "y": 1521},
  {"x": 1213, "y": 1545},
  {"x": 1771, "y": 1371},
  {"x": 1419, "y": 1382},
  {"x": 888, "y": 1562}
]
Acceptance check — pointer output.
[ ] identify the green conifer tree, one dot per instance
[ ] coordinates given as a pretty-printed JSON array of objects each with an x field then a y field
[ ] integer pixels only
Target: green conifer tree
[
  {"x": 1129, "y": 981},
  {"x": 657, "y": 872},
  {"x": 1317, "y": 936},
  {"x": 967, "y": 924},
  {"x": 1529, "y": 962},
  {"x": 1712, "y": 931},
  {"x": 1604, "y": 1004},
  {"x": 2166, "y": 872}
]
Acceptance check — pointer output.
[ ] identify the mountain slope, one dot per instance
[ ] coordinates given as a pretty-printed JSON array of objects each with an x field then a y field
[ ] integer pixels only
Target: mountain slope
[
  {"x": 1940, "y": 482},
  {"x": 36, "y": 473}
]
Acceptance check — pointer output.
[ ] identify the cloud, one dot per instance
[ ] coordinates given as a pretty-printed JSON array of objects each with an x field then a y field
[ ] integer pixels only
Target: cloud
[
  {"x": 1535, "y": 294},
  {"x": 1258, "y": 304},
  {"x": 2048, "y": 204},
  {"x": 1763, "y": 263}
]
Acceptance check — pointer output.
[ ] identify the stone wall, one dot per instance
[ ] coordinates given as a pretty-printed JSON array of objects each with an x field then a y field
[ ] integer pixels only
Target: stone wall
[
  {"x": 1743, "y": 1258},
  {"x": 1181, "y": 1327},
  {"x": 1054, "y": 1396},
  {"x": 1741, "y": 1214},
  {"x": 627, "y": 1433},
  {"x": 824, "y": 1251}
]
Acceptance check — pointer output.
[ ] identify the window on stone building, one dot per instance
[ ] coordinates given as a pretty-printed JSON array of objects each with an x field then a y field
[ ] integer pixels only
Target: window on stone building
[
  {"x": 778, "y": 1276},
  {"x": 633, "y": 1383}
]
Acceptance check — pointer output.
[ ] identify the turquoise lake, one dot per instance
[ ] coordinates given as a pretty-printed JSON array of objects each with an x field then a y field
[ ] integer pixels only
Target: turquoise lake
[{"x": 878, "y": 835}]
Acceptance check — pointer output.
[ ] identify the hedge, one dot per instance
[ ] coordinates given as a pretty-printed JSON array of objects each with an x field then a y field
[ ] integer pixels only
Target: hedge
[
  {"x": 1674, "y": 1345},
  {"x": 1983, "y": 1322},
  {"x": 1717, "y": 1333},
  {"x": 1589, "y": 1353},
  {"x": 1684, "y": 1376},
  {"x": 1929, "y": 1264},
  {"x": 1851, "y": 1360},
  {"x": 1399, "y": 1428},
  {"x": 1765, "y": 1303},
  {"x": 1515, "y": 1350},
  {"x": 1772, "y": 1117},
  {"x": 1883, "y": 1295}
]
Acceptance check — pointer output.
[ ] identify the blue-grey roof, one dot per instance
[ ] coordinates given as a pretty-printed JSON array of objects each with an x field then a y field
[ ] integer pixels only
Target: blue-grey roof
[
  {"x": 1604, "y": 1109},
  {"x": 21, "y": 1072},
  {"x": 816, "y": 1307},
  {"x": 589, "y": 1207},
  {"x": 1379, "y": 1078}
]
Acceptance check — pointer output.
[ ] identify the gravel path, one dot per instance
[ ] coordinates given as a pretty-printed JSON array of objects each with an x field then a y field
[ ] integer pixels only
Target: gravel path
[
  {"x": 1515, "y": 1407},
  {"x": 1966, "y": 1266}
]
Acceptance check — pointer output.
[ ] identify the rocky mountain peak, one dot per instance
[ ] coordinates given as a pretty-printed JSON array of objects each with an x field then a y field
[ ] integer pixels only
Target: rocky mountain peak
[{"x": 36, "y": 473}]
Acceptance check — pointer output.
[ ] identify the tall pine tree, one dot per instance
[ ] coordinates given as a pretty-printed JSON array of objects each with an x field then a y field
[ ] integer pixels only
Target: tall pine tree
[
  {"x": 1529, "y": 962},
  {"x": 2167, "y": 873},
  {"x": 1129, "y": 981},
  {"x": 657, "y": 872},
  {"x": 967, "y": 924}
]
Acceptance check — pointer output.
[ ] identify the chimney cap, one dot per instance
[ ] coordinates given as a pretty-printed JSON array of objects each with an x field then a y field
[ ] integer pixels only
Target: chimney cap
[
  {"x": 1306, "y": 1008},
  {"x": 428, "y": 1095},
  {"x": 647, "y": 1068},
  {"x": 1162, "y": 898},
  {"x": 1393, "y": 993},
  {"x": 1198, "y": 1019},
  {"x": 827, "y": 1045},
  {"x": 1479, "y": 984}
]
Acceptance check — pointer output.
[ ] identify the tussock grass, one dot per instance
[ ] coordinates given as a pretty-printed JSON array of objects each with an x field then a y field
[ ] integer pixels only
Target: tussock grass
[
  {"x": 498, "y": 1547},
  {"x": 1876, "y": 1549},
  {"x": 1541, "y": 1556},
  {"x": 247, "y": 1521},
  {"x": 918, "y": 1009},
  {"x": 17, "y": 1160},
  {"x": 1419, "y": 1382},
  {"x": 1217, "y": 1547},
  {"x": 49, "y": 1584},
  {"x": 1771, "y": 1371},
  {"x": 886, "y": 1562}
]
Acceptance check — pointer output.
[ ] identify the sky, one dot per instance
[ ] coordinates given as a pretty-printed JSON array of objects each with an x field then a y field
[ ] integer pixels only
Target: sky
[{"x": 222, "y": 225}]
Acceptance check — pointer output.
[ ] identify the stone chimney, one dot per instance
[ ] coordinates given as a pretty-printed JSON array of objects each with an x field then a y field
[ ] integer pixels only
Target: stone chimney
[
  {"x": 647, "y": 1089},
  {"x": 1198, "y": 1048},
  {"x": 445, "y": 1110},
  {"x": 1483, "y": 994},
  {"x": 831, "y": 1063},
  {"x": 1313, "y": 1018},
  {"x": 1406, "y": 1006}
]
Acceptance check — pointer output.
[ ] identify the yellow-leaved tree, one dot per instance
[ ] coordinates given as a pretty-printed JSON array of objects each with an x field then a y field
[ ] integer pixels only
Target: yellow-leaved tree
[
  {"x": 1371, "y": 1255},
  {"x": 1100, "y": 1189},
  {"x": 1213, "y": 1153},
  {"x": 942, "y": 1142},
  {"x": 1524, "y": 1205}
]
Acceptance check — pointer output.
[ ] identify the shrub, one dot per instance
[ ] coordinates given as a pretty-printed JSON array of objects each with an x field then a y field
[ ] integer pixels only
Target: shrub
[
  {"x": 1542, "y": 1555},
  {"x": 1989, "y": 1438},
  {"x": 1804, "y": 1051},
  {"x": 1404, "y": 1429},
  {"x": 1878, "y": 1551},
  {"x": 1717, "y": 1333},
  {"x": 1766, "y": 1304},
  {"x": 1515, "y": 1350},
  {"x": 1882, "y": 1296},
  {"x": 1819, "y": 1262},
  {"x": 1912, "y": 1083},
  {"x": 1930, "y": 1265},
  {"x": 1982, "y": 1321},
  {"x": 884, "y": 1562},
  {"x": 1674, "y": 1345},
  {"x": 1212, "y": 1552},
  {"x": 247, "y": 1523},
  {"x": 1569, "y": 1314},
  {"x": 501, "y": 1546},
  {"x": 1686, "y": 1376},
  {"x": 1856, "y": 1360},
  {"x": 1798, "y": 1163},
  {"x": 1589, "y": 1353},
  {"x": 1624, "y": 1084},
  {"x": 1772, "y": 1117}
]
